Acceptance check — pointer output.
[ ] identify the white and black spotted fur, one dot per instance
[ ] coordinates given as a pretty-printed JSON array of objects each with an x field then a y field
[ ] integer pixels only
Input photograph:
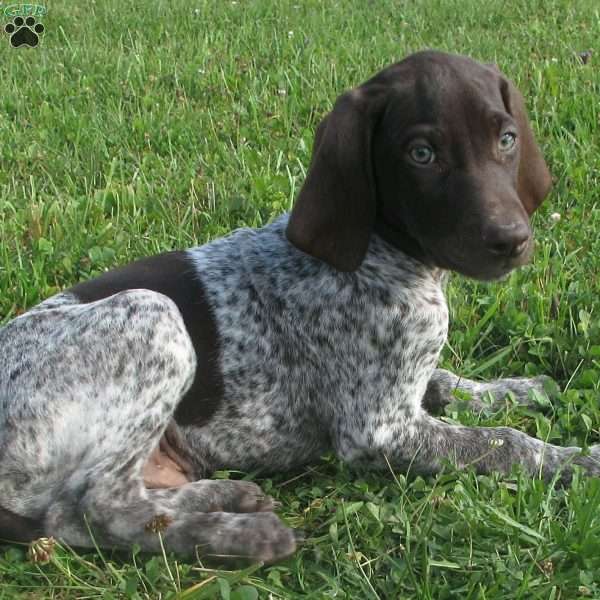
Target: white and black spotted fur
[{"x": 266, "y": 348}]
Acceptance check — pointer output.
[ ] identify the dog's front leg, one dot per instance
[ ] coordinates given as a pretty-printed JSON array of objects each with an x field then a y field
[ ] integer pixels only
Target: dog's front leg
[
  {"x": 483, "y": 394},
  {"x": 424, "y": 444}
]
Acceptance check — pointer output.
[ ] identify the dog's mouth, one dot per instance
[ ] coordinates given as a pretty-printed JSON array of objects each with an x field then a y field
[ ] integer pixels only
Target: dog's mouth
[{"x": 480, "y": 264}]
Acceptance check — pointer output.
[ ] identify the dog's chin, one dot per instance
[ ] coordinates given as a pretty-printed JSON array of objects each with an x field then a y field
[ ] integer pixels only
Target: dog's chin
[
  {"x": 493, "y": 274},
  {"x": 486, "y": 268}
]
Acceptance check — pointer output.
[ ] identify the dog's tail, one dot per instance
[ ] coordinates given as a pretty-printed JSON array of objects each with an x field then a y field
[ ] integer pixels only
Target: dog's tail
[{"x": 15, "y": 528}]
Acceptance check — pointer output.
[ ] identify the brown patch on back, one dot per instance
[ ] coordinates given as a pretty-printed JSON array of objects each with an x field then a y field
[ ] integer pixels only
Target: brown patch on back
[{"x": 174, "y": 275}]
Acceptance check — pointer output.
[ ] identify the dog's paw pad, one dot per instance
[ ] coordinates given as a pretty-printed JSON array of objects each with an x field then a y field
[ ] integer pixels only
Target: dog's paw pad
[{"x": 24, "y": 32}]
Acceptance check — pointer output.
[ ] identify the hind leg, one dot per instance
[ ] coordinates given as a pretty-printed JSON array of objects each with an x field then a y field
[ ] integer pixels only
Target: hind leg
[
  {"x": 87, "y": 392},
  {"x": 190, "y": 519}
]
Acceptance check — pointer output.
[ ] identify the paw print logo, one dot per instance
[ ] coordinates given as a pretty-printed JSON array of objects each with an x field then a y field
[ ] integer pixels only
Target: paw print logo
[{"x": 24, "y": 32}]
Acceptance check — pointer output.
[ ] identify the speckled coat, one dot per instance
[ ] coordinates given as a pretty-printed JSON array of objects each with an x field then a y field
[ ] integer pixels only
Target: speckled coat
[{"x": 314, "y": 359}]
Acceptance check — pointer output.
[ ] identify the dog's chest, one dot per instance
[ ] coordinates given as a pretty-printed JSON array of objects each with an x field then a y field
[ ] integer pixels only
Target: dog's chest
[{"x": 300, "y": 346}]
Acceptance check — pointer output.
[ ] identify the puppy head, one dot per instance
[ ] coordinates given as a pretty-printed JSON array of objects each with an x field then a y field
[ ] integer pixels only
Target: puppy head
[{"x": 434, "y": 153}]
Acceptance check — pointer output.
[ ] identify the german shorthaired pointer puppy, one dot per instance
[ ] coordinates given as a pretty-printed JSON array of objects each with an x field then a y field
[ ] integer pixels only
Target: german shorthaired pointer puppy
[{"x": 267, "y": 348}]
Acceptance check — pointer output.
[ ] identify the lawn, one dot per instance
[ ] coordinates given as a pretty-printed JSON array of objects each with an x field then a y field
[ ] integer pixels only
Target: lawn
[{"x": 138, "y": 127}]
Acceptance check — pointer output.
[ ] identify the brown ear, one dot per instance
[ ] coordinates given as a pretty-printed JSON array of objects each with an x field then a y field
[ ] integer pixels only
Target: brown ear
[
  {"x": 335, "y": 211},
  {"x": 534, "y": 179}
]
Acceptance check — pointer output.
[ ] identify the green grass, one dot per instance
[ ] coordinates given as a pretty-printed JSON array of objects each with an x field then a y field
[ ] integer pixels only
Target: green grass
[{"x": 139, "y": 127}]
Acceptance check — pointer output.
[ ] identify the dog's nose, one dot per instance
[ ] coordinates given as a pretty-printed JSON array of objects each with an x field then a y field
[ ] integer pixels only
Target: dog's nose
[{"x": 507, "y": 240}]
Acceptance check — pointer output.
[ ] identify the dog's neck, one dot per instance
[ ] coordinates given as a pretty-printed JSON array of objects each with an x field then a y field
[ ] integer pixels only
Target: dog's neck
[
  {"x": 399, "y": 259},
  {"x": 397, "y": 235}
]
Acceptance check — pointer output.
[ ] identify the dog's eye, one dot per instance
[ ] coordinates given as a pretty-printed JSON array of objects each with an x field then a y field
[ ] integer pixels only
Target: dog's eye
[
  {"x": 507, "y": 141},
  {"x": 422, "y": 155}
]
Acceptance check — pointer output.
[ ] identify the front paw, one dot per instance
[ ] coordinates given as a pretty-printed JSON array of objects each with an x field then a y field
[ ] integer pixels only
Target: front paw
[{"x": 535, "y": 392}]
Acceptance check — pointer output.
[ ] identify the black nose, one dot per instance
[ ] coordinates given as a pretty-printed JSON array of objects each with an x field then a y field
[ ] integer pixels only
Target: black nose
[{"x": 507, "y": 240}]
